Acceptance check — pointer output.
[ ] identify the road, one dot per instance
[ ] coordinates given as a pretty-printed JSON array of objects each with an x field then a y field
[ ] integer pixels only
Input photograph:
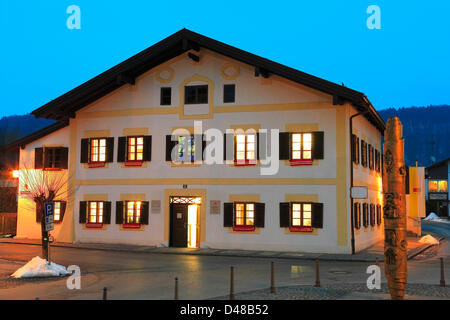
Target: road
[{"x": 130, "y": 275}]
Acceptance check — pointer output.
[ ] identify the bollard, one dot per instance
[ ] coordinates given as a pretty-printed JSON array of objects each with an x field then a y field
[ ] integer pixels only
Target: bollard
[
  {"x": 232, "y": 283},
  {"x": 272, "y": 278},
  {"x": 105, "y": 293},
  {"x": 442, "y": 273},
  {"x": 176, "y": 289},
  {"x": 317, "y": 274}
]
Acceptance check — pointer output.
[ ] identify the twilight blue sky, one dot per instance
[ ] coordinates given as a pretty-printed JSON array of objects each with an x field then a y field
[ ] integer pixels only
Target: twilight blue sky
[{"x": 405, "y": 63}]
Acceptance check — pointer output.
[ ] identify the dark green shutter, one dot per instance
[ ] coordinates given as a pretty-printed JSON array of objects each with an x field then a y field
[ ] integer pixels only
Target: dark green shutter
[
  {"x": 106, "y": 212},
  {"x": 122, "y": 149},
  {"x": 110, "y": 149},
  {"x": 317, "y": 215},
  {"x": 144, "y": 212},
  {"x": 357, "y": 151},
  {"x": 285, "y": 214},
  {"x": 355, "y": 215},
  {"x": 203, "y": 146},
  {"x": 317, "y": 145},
  {"x": 64, "y": 158},
  {"x": 285, "y": 145},
  {"x": 63, "y": 207},
  {"x": 353, "y": 148},
  {"x": 228, "y": 146},
  {"x": 119, "y": 212},
  {"x": 83, "y": 212},
  {"x": 228, "y": 214},
  {"x": 259, "y": 214},
  {"x": 147, "y": 148},
  {"x": 169, "y": 147},
  {"x": 39, "y": 158},
  {"x": 85, "y": 144}
]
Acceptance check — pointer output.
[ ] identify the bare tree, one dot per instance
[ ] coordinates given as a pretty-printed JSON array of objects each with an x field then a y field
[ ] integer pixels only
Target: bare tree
[{"x": 42, "y": 186}]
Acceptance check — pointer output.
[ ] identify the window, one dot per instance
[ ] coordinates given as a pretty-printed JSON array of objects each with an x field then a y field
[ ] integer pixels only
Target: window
[
  {"x": 229, "y": 93},
  {"x": 365, "y": 215},
  {"x": 357, "y": 215},
  {"x": 133, "y": 213},
  {"x": 244, "y": 214},
  {"x": 196, "y": 94},
  {"x": 301, "y": 146},
  {"x": 301, "y": 215},
  {"x": 370, "y": 157},
  {"x": 378, "y": 214},
  {"x": 363, "y": 153},
  {"x": 186, "y": 149},
  {"x": 95, "y": 213},
  {"x": 245, "y": 149},
  {"x": 52, "y": 158},
  {"x": 135, "y": 149},
  {"x": 57, "y": 212},
  {"x": 98, "y": 150},
  {"x": 437, "y": 186},
  {"x": 166, "y": 96},
  {"x": 372, "y": 214}
]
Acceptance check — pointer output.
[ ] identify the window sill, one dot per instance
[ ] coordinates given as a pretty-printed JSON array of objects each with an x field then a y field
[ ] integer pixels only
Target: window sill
[
  {"x": 294, "y": 163},
  {"x": 96, "y": 164},
  {"x": 91, "y": 225},
  {"x": 131, "y": 225},
  {"x": 137, "y": 163},
  {"x": 52, "y": 169},
  {"x": 300, "y": 229},
  {"x": 245, "y": 163}
]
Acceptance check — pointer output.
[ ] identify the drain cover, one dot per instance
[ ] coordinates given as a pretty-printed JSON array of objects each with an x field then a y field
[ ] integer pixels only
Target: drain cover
[{"x": 338, "y": 272}]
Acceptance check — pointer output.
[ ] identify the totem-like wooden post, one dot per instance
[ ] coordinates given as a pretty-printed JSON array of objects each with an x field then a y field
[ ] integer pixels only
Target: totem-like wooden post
[{"x": 395, "y": 243}]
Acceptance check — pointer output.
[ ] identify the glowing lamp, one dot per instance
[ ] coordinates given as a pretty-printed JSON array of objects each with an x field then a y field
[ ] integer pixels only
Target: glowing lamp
[{"x": 15, "y": 174}]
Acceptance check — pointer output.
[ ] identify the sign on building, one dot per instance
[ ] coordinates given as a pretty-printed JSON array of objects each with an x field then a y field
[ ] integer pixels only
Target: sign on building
[
  {"x": 359, "y": 192},
  {"x": 214, "y": 207},
  {"x": 49, "y": 209}
]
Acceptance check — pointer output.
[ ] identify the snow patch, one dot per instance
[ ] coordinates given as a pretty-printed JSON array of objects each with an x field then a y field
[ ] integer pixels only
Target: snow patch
[
  {"x": 428, "y": 239},
  {"x": 38, "y": 267},
  {"x": 435, "y": 218}
]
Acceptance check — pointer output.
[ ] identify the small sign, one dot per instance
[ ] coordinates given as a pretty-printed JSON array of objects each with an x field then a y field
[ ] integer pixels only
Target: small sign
[
  {"x": 156, "y": 206},
  {"x": 49, "y": 206},
  {"x": 214, "y": 207},
  {"x": 179, "y": 216},
  {"x": 359, "y": 192},
  {"x": 437, "y": 196}
]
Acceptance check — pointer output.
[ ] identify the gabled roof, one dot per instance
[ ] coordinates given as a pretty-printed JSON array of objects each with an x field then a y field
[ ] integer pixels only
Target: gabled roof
[{"x": 182, "y": 41}]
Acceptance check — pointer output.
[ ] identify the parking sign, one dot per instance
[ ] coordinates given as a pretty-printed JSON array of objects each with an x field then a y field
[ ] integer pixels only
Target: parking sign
[{"x": 49, "y": 206}]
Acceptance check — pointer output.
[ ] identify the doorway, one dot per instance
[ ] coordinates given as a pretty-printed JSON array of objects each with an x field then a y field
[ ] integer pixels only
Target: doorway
[{"x": 184, "y": 222}]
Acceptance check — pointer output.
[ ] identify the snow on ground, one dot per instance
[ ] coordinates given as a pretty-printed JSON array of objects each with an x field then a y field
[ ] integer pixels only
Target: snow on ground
[
  {"x": 435, "y": 218},
  {"x": 38, "y": 267},
  {"x": 429, "y": 239}
]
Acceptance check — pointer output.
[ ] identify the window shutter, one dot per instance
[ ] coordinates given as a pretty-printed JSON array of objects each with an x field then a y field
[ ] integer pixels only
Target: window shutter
[
  {"x": 378, "y": 214},
  {"x": 144, "y": 212},
  {"x": 285, "y": 214},
  {"x": 353, "y": 148},
  {"x": 357, "y": 151},
  {"x": 372, "y": 214},
  {"x": 110, "y": 149},
  {"x": 257, "y": 146},
  {"x": 85, "y": 143},
  {"x": 122, "y": 149},
  {"x": 285, "y": 145},
  {"x": 119, "y": 212},
  {"x": 228, "y": 214},
  {"x": 106, "y": 212},
  {"x": 259, "y": 214},
  {"x": 203, "y": 146},
  {"x": 83, "y": 211},
  {"x": 355, "y": 215},
  {"x": 406, "y": 179},
  {"x": 64, "y": 158},
  {"x": 169, "y": 147},
  {"x": 317, "y": 145},
  {"x": 317, "y": 215},
  {"x": 39, "y": 158},
  {"x": 63, "y": 209},
  {"x": 38, "y": 213},
  {"x": 228, "y": 146},
  {"x": 365, "y": 215},
  {"x": 198, "y": 149},
  {"x": 147, "y": 148},
  {"x": 359, "y": 215}
]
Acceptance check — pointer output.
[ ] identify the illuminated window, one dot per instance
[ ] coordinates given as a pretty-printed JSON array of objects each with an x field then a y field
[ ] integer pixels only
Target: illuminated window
[
  {"x": 53, "y": 158},
  {"x": 301, "y": 214},
  {"x": 245, "y": 148},
  {"x": 95, "y": 214},
  {"x": 437, "y": 186},
  {"x": 57, "y": 211},
  {"x": 244, "y": 214},
  {"x": 186, "y": 149},
  {"x": 135, "y": 148},
  {"x": 301, "y": 146},
  {"x": 98, "y": 150},
  {"x": 133, "y": 213}
]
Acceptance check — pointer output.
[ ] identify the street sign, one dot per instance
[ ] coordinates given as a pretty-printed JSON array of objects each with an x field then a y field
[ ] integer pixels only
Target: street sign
[{"x": 49, "y": 206}]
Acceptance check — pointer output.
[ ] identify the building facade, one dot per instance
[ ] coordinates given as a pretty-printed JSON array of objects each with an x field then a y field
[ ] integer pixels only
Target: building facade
[
  {"x": 194, "y": 100},
  {"x": 437, "y": 188}
]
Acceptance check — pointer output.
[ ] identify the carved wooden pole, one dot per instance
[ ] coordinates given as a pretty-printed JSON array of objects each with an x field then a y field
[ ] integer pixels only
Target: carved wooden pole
[{"x": 395, "y": 243}]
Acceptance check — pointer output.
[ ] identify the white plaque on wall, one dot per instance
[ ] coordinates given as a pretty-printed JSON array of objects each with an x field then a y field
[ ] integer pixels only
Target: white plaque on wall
[
  {"x": 214, "y": 206},
  {"x": 156, "y": 206},
  {"x": 359, "y": 192}
]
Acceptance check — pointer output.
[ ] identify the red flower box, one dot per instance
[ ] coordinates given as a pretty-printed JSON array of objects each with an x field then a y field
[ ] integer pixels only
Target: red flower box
[
  {"x": 244, "y": 228},
  {"x": 134, "y": 163},
  {"x": 300, "y": 229},
  {"x": 131, "y": 225},
  {"x": 94, "y": 225},
  {"x": 301, "y": 162},
  {"x": 96, "y": 164}
]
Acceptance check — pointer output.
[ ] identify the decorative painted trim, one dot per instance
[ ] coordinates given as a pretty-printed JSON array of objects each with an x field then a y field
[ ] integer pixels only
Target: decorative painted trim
[
  {"x": 132, "y": 197},
  {"x": 244, "y": 198},
  {"x": 97, "y": 133},
  {"x": 135, "y": 132},
  {"x": 165, "y": 69},
  {"x": 95, "y": 197},
  {"x": 230, "y": 65}
]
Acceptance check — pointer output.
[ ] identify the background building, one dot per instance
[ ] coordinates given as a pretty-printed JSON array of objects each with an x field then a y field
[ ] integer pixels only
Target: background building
[{"x": 437, "y": 188}]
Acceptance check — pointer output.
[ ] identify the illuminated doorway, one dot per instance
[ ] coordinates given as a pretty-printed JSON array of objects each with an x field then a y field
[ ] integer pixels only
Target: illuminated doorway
[{"x": 185, "y": 222}]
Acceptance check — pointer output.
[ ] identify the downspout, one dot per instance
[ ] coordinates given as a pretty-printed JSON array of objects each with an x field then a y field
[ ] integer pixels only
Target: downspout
[{"x": 351, "y": 180}]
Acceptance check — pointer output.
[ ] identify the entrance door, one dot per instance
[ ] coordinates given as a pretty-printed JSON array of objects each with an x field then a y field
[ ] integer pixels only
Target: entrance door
[{"x": 178, "y": 224}]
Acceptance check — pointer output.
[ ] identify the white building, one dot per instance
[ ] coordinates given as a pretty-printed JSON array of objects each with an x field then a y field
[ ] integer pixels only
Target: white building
[{"x": 112, "y": 138}]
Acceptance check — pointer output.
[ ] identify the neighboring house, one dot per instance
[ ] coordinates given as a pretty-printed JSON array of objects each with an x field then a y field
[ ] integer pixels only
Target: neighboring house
[
  {"x": 437, "y": 188},
  {"x": 113, "y": 140},
  {"x": 415, "y": 199}
]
